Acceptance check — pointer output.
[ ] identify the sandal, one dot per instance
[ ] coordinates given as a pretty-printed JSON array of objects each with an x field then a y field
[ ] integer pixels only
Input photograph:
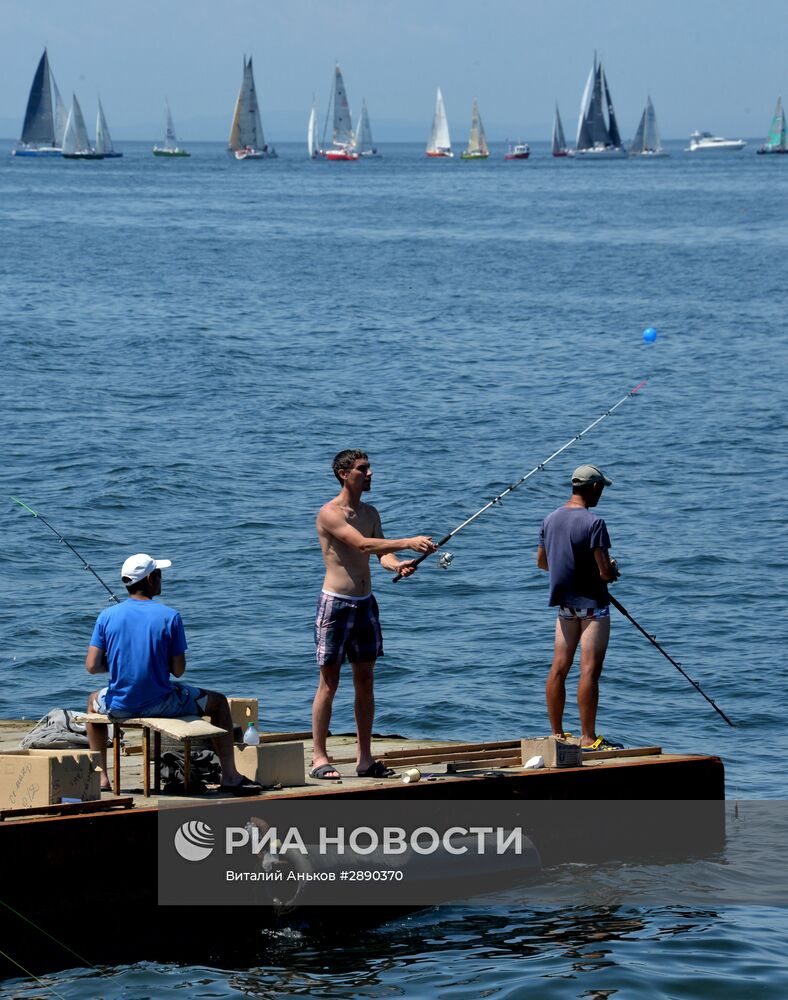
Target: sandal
[
  {"x": 377, "y": 769},
  {"x": 600, "y": 743},
  {"x": 321, "y": 771},
  {"x": 244, "y": 787}
]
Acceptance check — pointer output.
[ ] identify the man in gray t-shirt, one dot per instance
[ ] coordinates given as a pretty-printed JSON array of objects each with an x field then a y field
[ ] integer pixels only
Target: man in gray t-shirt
[{"x": 574, "y": 548}]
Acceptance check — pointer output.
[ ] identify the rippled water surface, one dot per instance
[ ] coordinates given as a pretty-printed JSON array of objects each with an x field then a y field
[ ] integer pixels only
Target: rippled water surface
[{"x": 186, "y": 345}]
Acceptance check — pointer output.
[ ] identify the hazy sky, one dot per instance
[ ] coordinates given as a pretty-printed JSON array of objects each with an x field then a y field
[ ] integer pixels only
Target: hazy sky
[{"x": 709, "y": 64}]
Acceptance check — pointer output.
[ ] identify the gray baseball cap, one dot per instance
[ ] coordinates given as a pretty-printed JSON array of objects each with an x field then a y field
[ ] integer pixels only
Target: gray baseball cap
[{"x": 584, "y": 474}]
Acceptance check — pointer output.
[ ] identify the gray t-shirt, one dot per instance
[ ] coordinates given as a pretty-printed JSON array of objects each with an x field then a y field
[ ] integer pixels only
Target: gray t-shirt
[{"x": 569, "y": 536}]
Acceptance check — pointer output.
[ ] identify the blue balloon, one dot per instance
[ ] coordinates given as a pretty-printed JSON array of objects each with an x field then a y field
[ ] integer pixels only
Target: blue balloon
[{"x": 649, "y": 335}]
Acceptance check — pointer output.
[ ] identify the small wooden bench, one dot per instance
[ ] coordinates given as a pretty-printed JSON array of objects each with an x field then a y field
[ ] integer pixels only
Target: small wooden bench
[{"x": 184, "y": 730}]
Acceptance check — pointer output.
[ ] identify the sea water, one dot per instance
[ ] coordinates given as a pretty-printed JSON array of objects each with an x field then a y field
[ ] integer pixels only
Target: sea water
[{"x": 187, "y": 343}]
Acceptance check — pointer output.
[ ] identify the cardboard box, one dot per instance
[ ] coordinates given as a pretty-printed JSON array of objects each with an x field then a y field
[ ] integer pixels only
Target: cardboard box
[
  {"x": 556, "y": 753},
  {"x": 244, "y": 711},
  {"x": 272, "y": 763},
  {"x": 30, "y": 778}
]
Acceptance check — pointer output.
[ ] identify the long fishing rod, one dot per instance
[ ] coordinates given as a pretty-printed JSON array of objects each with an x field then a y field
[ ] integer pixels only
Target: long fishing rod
[
  {"x": 522, "y": 479},
  {"x": 85, "y": 564},
  {"x": 653, "y": 640}
]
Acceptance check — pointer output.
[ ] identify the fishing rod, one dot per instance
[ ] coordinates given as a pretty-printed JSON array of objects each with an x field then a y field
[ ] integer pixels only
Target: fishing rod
[
  {"x": 653, "y": 640},
  {"x": 85, "y": 564},
  {"x": 445, "y": 561}
]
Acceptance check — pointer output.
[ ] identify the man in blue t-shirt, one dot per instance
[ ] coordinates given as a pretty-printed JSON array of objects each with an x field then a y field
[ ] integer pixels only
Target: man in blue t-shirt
[
  {"x": 142, "y": 644},
  {"x": 574, "y": 547}
]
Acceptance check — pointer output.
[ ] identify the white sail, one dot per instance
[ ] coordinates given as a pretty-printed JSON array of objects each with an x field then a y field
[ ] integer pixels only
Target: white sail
[
  {"x": 103, "y": 138},
  {"x": 364, "y": 131},
  {"x": 61, "y": 114},
  {"x": 311, "y": 133},
  {"x": 652, "y": 138},
  {"x": 343, "y": 124},
  {"x": 75, "y": 139},
  {"x": 581, "y": 140},
  {"x": 439, "y": 141}
]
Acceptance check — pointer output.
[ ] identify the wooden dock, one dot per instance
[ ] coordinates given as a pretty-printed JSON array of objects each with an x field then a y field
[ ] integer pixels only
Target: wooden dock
[
  {"x": 59, "y": 855},
  {"x": 449, "y": 769}
]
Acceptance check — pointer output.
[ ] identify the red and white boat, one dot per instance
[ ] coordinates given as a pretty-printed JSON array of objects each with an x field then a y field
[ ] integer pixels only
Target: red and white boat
[
  {"x": 343, "y": 138},
  {"x": 439, "y": 143},
  {"x": 340, "y": 153},
  {"x": 518, "y": 151}
]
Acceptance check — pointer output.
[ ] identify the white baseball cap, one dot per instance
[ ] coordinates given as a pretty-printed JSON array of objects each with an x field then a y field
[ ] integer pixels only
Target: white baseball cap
[{"x": 137, "y": 567}]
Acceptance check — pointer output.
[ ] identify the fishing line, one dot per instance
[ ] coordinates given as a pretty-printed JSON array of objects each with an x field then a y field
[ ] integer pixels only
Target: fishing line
[
  {"x": 85, "y": 563},
  {"x": 653, "y": 640},
  {"x": 47, "y": 934},
  {"x": 447, "y": 558},
  {"x": 30, "y": 975}
]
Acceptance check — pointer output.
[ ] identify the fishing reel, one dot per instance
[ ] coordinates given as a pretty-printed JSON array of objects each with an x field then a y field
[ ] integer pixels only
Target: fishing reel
[{"x": 445, "y": 559}]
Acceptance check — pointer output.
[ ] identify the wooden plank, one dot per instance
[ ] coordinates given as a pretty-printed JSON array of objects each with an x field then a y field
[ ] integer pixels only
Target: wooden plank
[
  {"x": 70, "y": 808},
  {"x": 185, "y": 727},
  {"x": 453, "y": 748},
  {"x": 626, "y": 752},
  {"x": 454, "y": 767},
  {"x": 441, "y": 756}
]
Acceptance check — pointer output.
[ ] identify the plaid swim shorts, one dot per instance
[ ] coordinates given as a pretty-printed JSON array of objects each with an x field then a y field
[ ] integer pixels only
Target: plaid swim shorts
[
  {"x": 584, "y": 614},
  {"x": 347, "y": 627}
]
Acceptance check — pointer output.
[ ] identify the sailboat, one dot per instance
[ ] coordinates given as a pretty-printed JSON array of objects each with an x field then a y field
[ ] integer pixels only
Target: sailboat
[
  {"x": 439, "y": 143},
  {"x": 45, "y": 116},
  {"x": 103, "y": 138},
  {"x": 363, "y": 140},
  {"x": 559, "y": 141},
  {"x": 777, "y": 140},
  {"x": 647, "y": 141},
  {"x": 170, "y": 147},
  {"x": 597, "y": 138},
  {"x": 247, "y": 141},
  {"x": 477, "y": 148},
  {"x": 76, "y": 145},
  {"x": 311, "y": 134},
  {"x": 343, "y": 139}
]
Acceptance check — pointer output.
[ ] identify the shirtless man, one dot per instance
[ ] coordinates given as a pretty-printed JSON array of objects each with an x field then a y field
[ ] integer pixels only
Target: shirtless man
[{"x": 346, "y": 624}]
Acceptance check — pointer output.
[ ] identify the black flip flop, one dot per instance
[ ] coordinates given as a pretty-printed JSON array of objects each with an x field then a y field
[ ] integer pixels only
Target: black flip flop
[
  {"x": 321, "y": 771},
  {"x": 377, "y": 770},
  {"x": 244, "y": 787}
]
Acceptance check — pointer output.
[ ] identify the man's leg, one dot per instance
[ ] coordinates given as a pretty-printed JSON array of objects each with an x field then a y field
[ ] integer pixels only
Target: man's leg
[
  {"x": 567, "y": 636},
  {"x": 595, "y": 633},
  {"x": 218, "y": 710},
  {"x": 97, "y": 740},
  {"x": 321, "y": 714},
  {"x": 364, "y": 707}
]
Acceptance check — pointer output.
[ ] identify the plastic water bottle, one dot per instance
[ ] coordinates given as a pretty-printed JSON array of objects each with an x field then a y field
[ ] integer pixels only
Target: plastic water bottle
[{"x": 251, "y": 736}]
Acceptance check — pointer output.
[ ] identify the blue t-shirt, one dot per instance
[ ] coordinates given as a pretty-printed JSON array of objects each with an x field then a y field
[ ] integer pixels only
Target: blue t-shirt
[
  {"x": 138, "y": 637},
  {"x": 569, "y": 536}
]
